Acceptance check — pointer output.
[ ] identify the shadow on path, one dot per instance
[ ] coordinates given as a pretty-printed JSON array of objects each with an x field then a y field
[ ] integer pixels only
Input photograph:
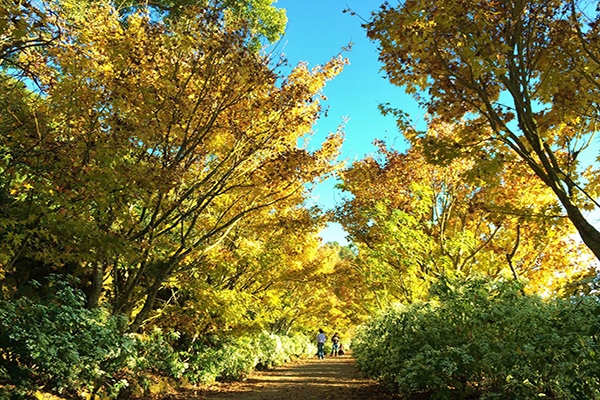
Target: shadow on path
[{"x": 334, "y": 378}]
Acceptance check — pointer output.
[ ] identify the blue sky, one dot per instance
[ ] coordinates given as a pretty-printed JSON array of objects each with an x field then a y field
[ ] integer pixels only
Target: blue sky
[{"x": 317, "y": 31}]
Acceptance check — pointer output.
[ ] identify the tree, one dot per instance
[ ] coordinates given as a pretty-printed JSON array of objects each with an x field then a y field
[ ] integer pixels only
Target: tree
[
  {"x": 156, "y": 141},
  {"x": 271, "y": 274},
  {"x": 521, "y": 75},
  {"x": 263, "y": 18},
  {"x": 414, "y": 222},
  {"x": 24, "y": 24}
]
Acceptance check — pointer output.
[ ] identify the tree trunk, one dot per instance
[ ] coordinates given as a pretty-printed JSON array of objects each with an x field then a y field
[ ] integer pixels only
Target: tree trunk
[
  {"x": 150, "y": 298},
  {"x": 589, "y": 234},
  {"x": 96, "y": 290},
  {"x": 148, "y": 306}
]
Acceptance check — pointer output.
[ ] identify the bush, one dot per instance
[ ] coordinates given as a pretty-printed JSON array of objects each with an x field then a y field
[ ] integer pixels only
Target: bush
[
  {"x": 485, "y": 337},
  {"x": 234, "y": 358},
  {"x": 55, "y": 344},
  {"x": 155, "y": 354}
]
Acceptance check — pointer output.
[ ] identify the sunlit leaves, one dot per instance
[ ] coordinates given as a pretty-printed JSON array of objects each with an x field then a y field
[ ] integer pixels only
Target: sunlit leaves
[
  {"x": 520, "y": 76},
  {"x": 414, "y": 222},
  {"x": 157, "y": 140}
]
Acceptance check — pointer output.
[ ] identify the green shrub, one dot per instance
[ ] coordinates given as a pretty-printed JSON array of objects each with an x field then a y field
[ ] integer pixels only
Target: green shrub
[
  {"x": 234, "y": 358},
  {"x": 155, "y": 354},
  {"x": 57, "y": 345},
  {"x": 485, "y": 337}
]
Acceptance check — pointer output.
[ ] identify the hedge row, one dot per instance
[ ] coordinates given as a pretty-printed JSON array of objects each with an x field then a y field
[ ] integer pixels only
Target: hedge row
[
  {"x": 55, "y": 344},
  {"x": 485, "y": 338},
  {"x": 224, "y": 359}
]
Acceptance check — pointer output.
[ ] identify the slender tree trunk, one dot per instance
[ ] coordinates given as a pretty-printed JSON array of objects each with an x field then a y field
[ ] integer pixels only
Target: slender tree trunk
[
  {"x": 147, "y": 308},
  {"x": 150, "y": 298},
  {"x": 509, "y": 257}
]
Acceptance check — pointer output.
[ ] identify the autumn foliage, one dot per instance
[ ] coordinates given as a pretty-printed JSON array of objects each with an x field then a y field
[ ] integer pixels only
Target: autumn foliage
[
  {"x": 414, "y": 222},
  {"x": 156, "y": 166},
  {"x": 146, "y": 145},
  {"x": 163, "y": 163},
  {"x": 520, "y": 76}
]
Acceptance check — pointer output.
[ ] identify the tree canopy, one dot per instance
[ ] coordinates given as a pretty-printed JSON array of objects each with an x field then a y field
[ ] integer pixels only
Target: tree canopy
[
  {"x": 415, "y": 222},
  {"x": 144, "y": 145},
  {"x": 157, "y": 168},
  {"x": 520, "y": 76}
]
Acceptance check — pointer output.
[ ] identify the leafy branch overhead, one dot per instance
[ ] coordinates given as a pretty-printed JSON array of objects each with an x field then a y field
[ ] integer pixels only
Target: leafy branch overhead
[
  {"x": 264, "y": 19},
  {"x": 414, "y": 222},
  {"x": 521, "y": 76},
  {"x": 156, "y": 140}
]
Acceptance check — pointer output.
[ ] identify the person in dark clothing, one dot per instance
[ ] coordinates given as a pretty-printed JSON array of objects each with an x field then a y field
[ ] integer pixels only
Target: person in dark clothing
[
  {"x": 336, "y": 344},
  {"x": 341, "y": 351}
]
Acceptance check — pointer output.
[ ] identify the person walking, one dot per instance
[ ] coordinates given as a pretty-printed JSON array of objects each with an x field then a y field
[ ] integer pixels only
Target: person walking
[
  {"x": 336, "y": 344},
  {"x": 321, "y": 339}
]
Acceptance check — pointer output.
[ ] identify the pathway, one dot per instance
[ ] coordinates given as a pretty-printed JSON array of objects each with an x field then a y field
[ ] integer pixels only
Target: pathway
[{"x": 334, "y": 378}]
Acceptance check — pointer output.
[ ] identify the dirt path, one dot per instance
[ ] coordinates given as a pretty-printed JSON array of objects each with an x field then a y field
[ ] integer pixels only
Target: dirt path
[{"x": 329, "y": 379}]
